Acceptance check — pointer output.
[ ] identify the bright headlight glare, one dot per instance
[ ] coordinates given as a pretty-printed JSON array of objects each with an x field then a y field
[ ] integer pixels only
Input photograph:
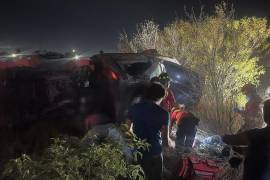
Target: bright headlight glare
[
  {"x": 13, "y": 55},
  {"x": 77, "y": 57}
]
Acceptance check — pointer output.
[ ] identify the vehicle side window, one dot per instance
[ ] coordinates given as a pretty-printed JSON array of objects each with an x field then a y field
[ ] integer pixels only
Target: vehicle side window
[
  {"x": 137, "y": 68},
  {"x": 162, "y": 67},
  {"x": 158, "y": 70},
  {"x": 114, "y": 66}
]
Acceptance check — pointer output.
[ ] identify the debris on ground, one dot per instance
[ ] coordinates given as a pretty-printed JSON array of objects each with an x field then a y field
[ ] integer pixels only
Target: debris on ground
[{"x": 209, "y": 159}]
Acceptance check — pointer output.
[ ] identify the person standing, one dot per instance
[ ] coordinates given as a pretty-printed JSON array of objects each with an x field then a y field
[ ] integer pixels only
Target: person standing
[
  {"x": 267, "y": 93},
  {"x": 257, "y": 162},
  {"x": 150, "y": 122},
  {"x": 251, "y": 112},
  {"x": 168, "y": 102}
]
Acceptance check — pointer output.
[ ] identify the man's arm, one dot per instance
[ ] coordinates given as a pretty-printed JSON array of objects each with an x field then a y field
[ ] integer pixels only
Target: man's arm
[
  {"x": 170, "y": 127},
  {"x": 236, "y": 140},
  {"x": 128, "y": 122},
  {"x": 165, "y": 135},
  {"x": 164, "y": 130},
  {"x": 166, "y": 141},
  {"x": 172, "y": 99}
]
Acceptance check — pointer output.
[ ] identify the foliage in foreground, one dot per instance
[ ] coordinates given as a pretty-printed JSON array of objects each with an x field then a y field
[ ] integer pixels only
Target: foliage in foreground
[{"x": 71, "y": 159}]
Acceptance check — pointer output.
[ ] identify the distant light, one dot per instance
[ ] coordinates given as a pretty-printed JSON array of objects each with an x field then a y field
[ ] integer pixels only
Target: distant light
[
  {"x": 13, "y": 55},
  {"x": 73, "y": 50},
  {"x": 77, "y": 57}
]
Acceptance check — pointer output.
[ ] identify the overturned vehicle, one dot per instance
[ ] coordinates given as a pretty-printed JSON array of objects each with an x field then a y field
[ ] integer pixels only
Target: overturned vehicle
[
  {"x": 43, "y": 95},
  {"x": 135, "y": 70},
  {"x": 52, "y": 86}
]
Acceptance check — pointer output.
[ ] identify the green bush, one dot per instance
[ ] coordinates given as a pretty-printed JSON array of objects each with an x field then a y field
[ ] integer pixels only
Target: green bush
[{"x": 71, "y": 158}]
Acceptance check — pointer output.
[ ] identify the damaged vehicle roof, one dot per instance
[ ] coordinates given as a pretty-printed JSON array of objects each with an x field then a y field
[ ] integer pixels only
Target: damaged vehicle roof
[{"x": 139, "y": 67}]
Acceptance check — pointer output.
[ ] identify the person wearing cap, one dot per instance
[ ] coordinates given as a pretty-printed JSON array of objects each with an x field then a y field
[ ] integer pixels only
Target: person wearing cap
[
  {"x": 168, "y": 101},
  {"x": 251, "y": 112}
]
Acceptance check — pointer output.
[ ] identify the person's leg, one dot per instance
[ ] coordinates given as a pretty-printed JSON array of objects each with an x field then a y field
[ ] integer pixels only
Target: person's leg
[
  {"x": 190, "y": 136},
  {"x": 180, "y": 136},
  {"x": 146, "y": 165},
  {"x": 156, "y": 171},
  {"x": 153, "y": 167}
]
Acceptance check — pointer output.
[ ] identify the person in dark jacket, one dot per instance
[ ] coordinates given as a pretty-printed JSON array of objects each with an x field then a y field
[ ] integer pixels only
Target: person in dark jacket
[
  {"x": 257, "y": 162},
  {"x": 149, "y": 121}
]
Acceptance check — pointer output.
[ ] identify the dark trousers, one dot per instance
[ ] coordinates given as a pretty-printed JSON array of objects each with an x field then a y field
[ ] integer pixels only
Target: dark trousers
[
  {"x": 185, "y": 133},
  {"x": 153, "y": 167}
]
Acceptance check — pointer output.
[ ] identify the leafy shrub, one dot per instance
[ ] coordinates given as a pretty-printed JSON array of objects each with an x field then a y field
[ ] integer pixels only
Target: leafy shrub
[
  {"x": 70, "y": 158},
  {"x": 224, "y": 50}
]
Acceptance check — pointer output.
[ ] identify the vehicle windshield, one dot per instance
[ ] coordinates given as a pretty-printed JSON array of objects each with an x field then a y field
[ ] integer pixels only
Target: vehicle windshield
[{"x": 185, "y": 84}]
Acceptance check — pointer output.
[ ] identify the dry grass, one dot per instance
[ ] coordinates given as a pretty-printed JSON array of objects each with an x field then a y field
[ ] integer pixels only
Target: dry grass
[
  {"x": 231, "y": 173},
  {"x": 221, "y": 121}
]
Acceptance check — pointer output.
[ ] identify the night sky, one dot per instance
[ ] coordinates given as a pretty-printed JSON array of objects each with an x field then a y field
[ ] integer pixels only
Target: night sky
[{"x": 92, "y": 25}]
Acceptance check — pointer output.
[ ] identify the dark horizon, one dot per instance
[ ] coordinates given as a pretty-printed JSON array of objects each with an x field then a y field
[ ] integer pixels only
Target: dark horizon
[{"x": 94, "y": 25}]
